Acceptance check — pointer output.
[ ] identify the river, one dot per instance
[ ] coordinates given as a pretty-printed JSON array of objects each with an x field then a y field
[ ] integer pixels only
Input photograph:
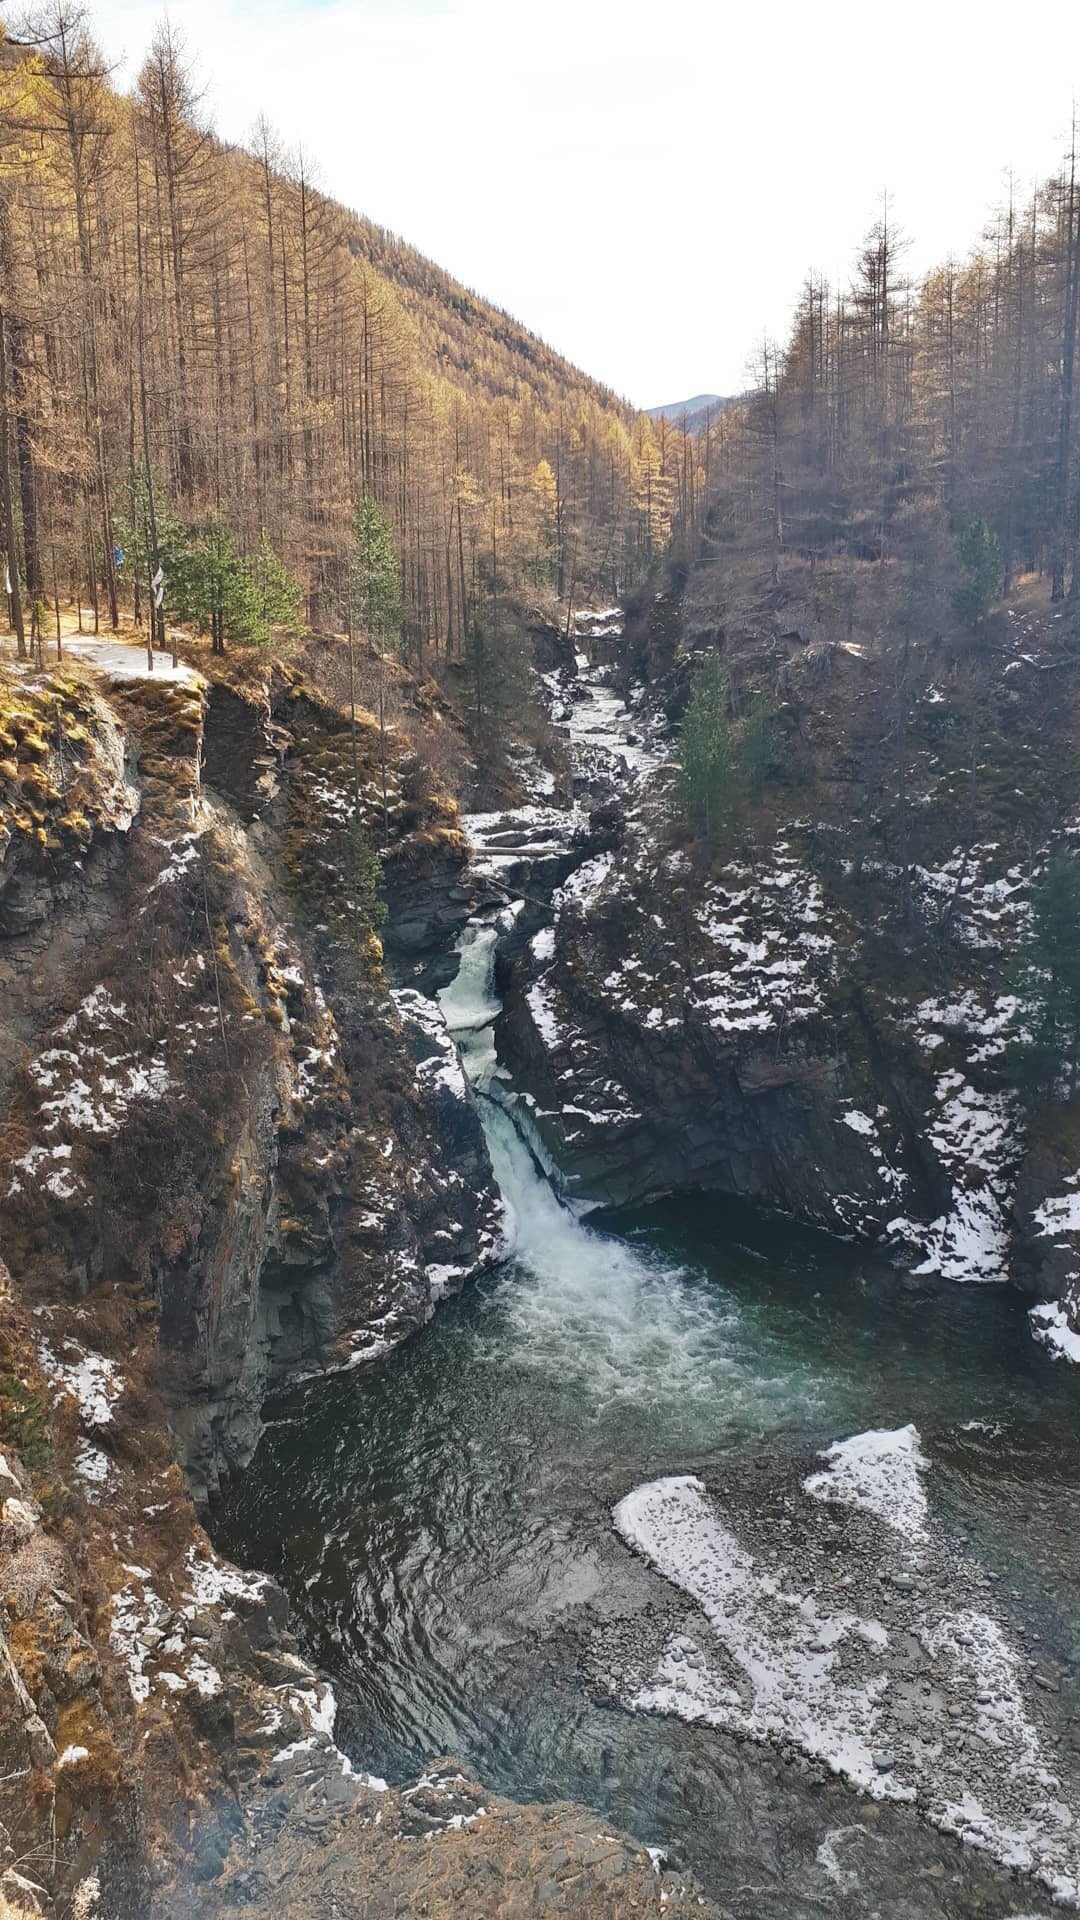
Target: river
[{"x": 443, "y": 1525}]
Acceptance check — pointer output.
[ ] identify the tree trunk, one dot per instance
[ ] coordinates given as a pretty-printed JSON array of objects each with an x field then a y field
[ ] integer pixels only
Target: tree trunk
[{"x": 8, "y": 502}]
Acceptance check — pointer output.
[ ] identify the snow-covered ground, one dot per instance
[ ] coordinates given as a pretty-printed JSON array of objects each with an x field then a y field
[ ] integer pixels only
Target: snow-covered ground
[
  {"x": 906, "y": 1687},
  {"x": 881, "y": 1471},
  {"x": 123, "y": 660}
]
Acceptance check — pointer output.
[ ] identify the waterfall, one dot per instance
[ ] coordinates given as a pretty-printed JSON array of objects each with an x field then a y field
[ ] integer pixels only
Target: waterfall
[{"x": 584, "y": 1304}]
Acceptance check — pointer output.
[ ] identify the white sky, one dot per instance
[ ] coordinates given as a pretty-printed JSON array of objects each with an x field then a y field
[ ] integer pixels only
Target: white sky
[{"x": 643, "y": 182}]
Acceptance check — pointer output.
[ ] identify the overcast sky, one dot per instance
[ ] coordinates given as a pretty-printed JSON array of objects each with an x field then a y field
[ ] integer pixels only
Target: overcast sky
[{"x": 643, "y": 182}]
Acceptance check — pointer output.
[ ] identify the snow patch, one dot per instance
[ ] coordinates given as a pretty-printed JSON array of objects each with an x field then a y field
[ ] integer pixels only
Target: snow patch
[
  {"x": 1052, "y": 1330},
  {"x": 880, "y": 1471},
  {"x": 92, "y": 1380},
  {"x": 780, "y": 1646}
]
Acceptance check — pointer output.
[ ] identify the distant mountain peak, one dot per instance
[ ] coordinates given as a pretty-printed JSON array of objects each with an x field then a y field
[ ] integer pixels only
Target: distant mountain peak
[{"x": 695, "y": 411}]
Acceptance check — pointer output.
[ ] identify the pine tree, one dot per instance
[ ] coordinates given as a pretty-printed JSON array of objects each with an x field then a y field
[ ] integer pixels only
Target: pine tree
[
  {"x": 223, "y": 599},
  {"x": 1045, "y": 1049},
  {"x": 278, "y": 595},
  {"x": 173, "y": 546},
  {"x": 362, "y": 875},
  {"x": 706, "y": 751},
  {"x": 723, "y": 757},
  {"x": 375, "y": 580},
  {"x": 980, "y": 572}
]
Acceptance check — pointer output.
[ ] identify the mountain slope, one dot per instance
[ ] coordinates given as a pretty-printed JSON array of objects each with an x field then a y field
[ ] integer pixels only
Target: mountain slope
[
  {"x": 205, "y": 312},
  {"x": 692, "y": 414}
]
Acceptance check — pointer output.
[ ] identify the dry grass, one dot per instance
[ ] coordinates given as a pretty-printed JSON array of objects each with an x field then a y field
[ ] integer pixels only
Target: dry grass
[
  {"x": 8, "y": 1910},
  {"x": 30, "y": 1572}
]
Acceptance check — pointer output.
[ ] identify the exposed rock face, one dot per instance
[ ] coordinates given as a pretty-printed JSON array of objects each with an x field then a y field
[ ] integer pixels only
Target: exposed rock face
[
  {"x": 228, "y": 1157},
  {"x": 324, "y": 1843},
  {"x": 233, "y": 1154},
  {"x": 222, "y": 1104},
  {"x": 760, "y": 1021}
]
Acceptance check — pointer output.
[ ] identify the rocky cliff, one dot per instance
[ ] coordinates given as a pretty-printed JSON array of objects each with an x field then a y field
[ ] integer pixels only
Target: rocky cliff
[
  {"x": 234, "y": 1154},
  {"x": 239, "y": 1150},
  {"x": 758, "y": 1018},
  {"x": 224, "y": 1111}
]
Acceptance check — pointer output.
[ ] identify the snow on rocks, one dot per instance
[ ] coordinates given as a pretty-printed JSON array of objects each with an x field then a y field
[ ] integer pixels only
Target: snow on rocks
[
  {"x": 541, "y": 1005},
  {"x": 1061, "y": 1213},
  {"x": 48, "y": 1168},
  {"x": 212, "y": 1581},
  {"x": 971, "y": 1129},
  {"x": 988, "y": 1020},
  {"x": 312, "y": 1711},
  {"x": 1054, "y": 1323},
  {"x": 438, "y": 1063},
  {"x": 766, "y": 931},
  {"x": 504, "y": 844},
  {"x": 317, "y": 1064},
  {"x": 866, "y": 1128},
  {"x": 584, "y": 886},
  {"x": 165, "y": 1646},
  {"x": 138, "y": 1627},
  {"x": 969, "y": 1243},
  {"x": 779, "y": 1673},
  {"x": 92, "y": 1074},
  {"x": 881, "y": 1471},
  {"x": 94, "y": 1469},
  {"x": 183, "y": 855},
  {"x": 989, "y": 908},
  {"x": 976, "y": 1136},
  {"x": 928, "y": 1702},
  {"x": 1051, "y": 1328},
  {"x": 95, "y": 1382}
]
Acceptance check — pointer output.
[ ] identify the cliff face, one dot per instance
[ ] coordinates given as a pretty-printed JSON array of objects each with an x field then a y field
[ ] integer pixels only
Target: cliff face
[
  {"x": 234, "y": 1154},
  {"x": 762, "y": 1018},
  {"x": 230, "y": 1156},
  {"x": 221, "y": 1105}
]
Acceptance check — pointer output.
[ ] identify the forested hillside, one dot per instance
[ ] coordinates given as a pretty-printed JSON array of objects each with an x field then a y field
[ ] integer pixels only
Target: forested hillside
[
  {"x": 203, "y": 318},
  {"x": 926, "y": 420}
]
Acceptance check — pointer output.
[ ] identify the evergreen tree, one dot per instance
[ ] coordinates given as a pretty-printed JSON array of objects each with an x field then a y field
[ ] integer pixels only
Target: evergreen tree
[
  {"x": 224, "y": 601},
  {"x": 496, "y": 679},
  {"x": 1045, "y": 1049},
  {"x": 706, "y": 751},
  {"x": 723, "y": 758},
  {"x": 980, "y": 572},
  {"x": 362, "y": 875},
  {"x": 278, "y": 595},
  {"x": 375, "y": 580},
  {"x": 174, "y": 547}
]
